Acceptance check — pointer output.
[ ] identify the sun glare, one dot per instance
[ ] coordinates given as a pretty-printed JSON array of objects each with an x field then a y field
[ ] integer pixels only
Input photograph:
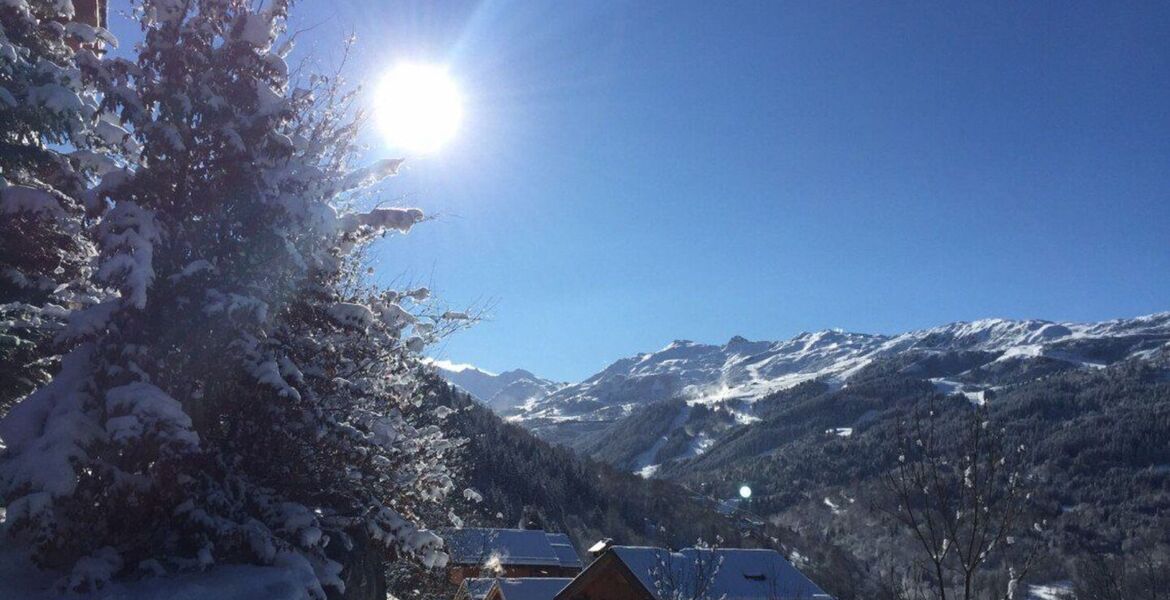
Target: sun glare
[{"x": 418, "y": 108}]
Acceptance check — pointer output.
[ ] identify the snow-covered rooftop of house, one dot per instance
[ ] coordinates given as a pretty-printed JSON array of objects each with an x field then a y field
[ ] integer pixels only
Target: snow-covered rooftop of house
[
  {"x": 478, "y": 587},
  {"x": 563, "y": 547},
  {"x": 742, "y": 574},
  {"x": 531, "y": 588},
  {"x": 473, "y": 546}
]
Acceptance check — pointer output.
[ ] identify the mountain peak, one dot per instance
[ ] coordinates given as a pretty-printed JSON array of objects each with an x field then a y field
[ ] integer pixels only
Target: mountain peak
[
  {"x": 503, "y": 391},
  {"x": 748, "y": 370},
  {"x": 519, "y": 374}
]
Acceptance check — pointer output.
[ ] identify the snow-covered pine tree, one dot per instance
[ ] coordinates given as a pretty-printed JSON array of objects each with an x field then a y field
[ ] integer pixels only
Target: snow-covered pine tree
[
  {"x": 47, "y": 103},
  {"x": 236, "y": 398}
]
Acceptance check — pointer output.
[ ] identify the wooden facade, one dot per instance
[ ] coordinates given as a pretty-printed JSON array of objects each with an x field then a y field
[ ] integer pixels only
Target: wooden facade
[
  {"x": 607, "y": 578},
  {"x": 642, "y": 573}
]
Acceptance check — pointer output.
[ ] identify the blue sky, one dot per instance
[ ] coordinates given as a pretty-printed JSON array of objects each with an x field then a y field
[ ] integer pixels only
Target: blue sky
[{"x": 633, "y": 173}]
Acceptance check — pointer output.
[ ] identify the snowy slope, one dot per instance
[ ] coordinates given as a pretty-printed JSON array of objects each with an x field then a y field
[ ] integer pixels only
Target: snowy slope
[
  {"x": 739, "y": 372},
  {"x": 19, "y": 579},
  {"x": 502, "y": 392}
]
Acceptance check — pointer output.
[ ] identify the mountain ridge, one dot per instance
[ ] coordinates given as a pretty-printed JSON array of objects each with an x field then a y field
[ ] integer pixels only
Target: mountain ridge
[
  {"x": 736, "y": 374},
  {"x": 502, "y": 392},
  {"x": 812, "y": 423},
  {"x": 749, "y": 370}
]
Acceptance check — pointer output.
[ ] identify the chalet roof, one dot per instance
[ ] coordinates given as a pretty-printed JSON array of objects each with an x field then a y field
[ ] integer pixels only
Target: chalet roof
[
  {"x": 743, "y": 574},
  {"x": 474, "y": 546},
  {"x": 531, "y": 588},
  {"x": 566, "y": 553},
  {"x": 478, "y": 587}
]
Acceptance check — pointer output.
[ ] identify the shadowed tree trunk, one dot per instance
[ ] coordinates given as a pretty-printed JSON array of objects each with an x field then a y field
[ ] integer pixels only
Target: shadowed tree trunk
[{"x": 364, "y": 565}]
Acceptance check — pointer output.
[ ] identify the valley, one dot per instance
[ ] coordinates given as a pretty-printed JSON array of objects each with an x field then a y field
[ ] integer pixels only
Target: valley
[{"x": 812, "y": 425}]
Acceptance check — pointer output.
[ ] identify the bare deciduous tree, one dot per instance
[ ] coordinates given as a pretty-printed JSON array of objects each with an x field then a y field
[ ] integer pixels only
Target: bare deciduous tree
[
  {"x": 960, "y": 493},
  {"x": 1141, "y": 574},
  {"x": 688, "y": 575}
]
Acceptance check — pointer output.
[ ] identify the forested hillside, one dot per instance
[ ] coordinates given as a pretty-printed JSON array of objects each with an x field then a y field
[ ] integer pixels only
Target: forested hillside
[
  {"x": 1093, "y": 443},
  {"x": 1082, "y": 410},
  {"x": 522, "y": 477},
  {"x": 518, "y": 480}
]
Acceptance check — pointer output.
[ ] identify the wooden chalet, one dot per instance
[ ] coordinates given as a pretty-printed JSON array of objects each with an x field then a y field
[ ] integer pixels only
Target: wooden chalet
[
  {"x": 511, "y": 588},
  {"x": 509, "y": 553},
  {"x": 475, "y": 588},
  {"x": 527, "y": 588},
  {"x": 640, "y": 573}
]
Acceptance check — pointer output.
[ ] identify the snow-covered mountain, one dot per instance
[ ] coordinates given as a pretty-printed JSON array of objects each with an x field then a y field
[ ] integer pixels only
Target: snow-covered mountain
[
  {"x": 502, "y": 392},
  {"x": 739, "y": 372}
]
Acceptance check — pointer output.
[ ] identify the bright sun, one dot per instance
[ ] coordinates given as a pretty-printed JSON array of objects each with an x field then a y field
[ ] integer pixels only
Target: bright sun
[{"x": 418, "y": 108}]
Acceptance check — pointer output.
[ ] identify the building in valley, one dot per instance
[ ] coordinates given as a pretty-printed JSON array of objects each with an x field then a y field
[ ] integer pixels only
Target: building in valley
[
  {"x": 641, "y": 573},
  {"x": 475, "y": 588},
  {"x": 527, "y": 588},
  {"x": 509, "y": 553}
]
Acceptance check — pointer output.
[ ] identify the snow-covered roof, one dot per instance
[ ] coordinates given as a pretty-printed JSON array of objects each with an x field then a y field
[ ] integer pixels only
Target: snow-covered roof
[
  {"x": 478, "y": 587},
  {"x": 558, "y": 538},
  {"x": 474, "y": 546},
  {"x": 742, "y": 574},
  {"x": 565, "y": 551},
  {"x": 531, "y": 588},
  {"x": 568, "y": 556}
]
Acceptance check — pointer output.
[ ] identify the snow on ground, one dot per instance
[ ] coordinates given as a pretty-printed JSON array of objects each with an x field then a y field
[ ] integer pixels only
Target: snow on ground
[
  {"x": 743, "y": 418},
  {"x": 735, "y": 375},
  {"x": 700, "y": 444},
  {"x": 949, "y": 387},
  {"x": 1028, "y": 351},
  {"x": 20, "y": 580},
  {"x": 455, "y": 367},
  {"x": 646, "y": 464},
  {"x": 502, "y": 392},
  {"x": 742, "y": 371},
  {"x": 1058, "y": 590}
]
